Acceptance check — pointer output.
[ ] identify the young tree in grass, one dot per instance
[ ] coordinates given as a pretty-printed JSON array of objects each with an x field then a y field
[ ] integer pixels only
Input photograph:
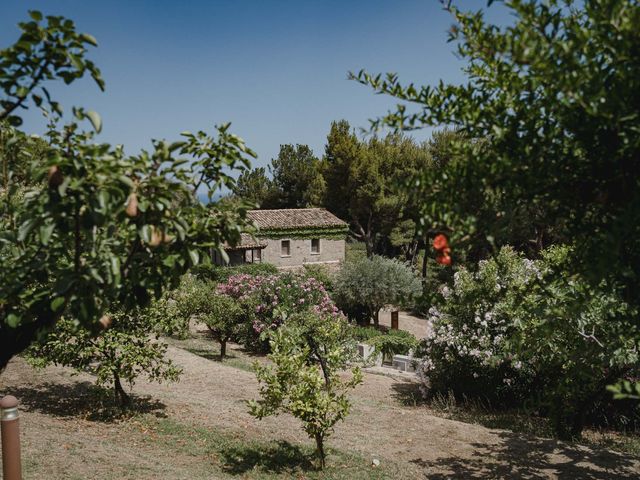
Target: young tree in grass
[
  {"x": 222, "y": 314},
  {"x": 369, "y": 284},
  {"x": 308, "y": 353},
  {"x": 127, "y": 349},
  {"x": 223, "y": 319}
]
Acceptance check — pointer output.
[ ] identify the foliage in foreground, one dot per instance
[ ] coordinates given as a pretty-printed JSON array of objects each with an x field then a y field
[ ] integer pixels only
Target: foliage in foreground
[
  {"x": 129, "y": 348},
  {"x": 366, "y": 285},
  {"x": 522, "y": 332},
  {"x": 308, "y": 353},
  {"x": 549, "y": 111},
  {"x": 85, "y": 229}
]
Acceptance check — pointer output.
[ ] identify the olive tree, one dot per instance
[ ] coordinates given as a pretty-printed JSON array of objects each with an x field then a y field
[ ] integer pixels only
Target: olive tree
[
  {"x": 308, "y": 354},
  {"x": 368, "y": 284},
  {"x": 97, "y": 230}
]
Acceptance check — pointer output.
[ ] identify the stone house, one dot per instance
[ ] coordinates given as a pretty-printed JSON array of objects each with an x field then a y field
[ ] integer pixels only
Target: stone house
[{"x": 292, "y": 238}]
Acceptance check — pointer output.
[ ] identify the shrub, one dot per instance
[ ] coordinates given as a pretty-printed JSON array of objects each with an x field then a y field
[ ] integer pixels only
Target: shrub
[
  {"x": 467, "y": 350},
  {"x": 309, "y": 353},
  {"x": 518, "y": 330},
  {"x": 368, "y": 284},
  {"x": 364, "y": 334},
  {"x": 270, "y": 299},
  {"x": 577, "y": 339},
  {"x": 220, "y": 273},
  {"x": 394, "y": 342},
  {"x": 321, "y": 273}
]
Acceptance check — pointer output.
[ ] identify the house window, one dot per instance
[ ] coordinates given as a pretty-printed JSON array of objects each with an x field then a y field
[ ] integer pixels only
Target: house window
[
  {"x": 285, "y": 248},
  {"x": 315, "y": 245}
]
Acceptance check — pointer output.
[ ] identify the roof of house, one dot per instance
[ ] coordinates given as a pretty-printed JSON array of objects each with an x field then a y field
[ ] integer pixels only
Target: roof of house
[
  {"x": 247, "y": 242},
  {"x": 295, "y": 218}
]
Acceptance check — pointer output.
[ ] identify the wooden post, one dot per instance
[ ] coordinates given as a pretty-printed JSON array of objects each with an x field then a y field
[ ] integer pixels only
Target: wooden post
[
  {"x": 11, "y": 465},
  {"x": 394, "y": 320}
]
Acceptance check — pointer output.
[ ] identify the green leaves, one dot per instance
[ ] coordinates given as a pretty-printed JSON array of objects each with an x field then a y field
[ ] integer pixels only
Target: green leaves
[
  {"x": 308, "y": 354},
  {"x": 95, "y": 120},
  {"x": 43, "y": 52},
  {"x": 68, "y": 245}
]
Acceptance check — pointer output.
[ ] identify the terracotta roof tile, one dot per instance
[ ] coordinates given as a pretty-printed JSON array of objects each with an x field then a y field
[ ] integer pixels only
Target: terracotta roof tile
[
  {"x": 295, "y": 218},
  {"x": 247, "y": 242}
]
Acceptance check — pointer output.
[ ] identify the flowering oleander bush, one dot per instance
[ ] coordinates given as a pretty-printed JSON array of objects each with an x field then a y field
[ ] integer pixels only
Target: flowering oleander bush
[
  {"x": 274, "y": 297},
  {"x": 523, "y": 332},
  {"x": 467, "y": 350}
]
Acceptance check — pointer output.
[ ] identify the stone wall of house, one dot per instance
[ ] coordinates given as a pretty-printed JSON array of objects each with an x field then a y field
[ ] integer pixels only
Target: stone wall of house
[{"x": 331, "y": 252}]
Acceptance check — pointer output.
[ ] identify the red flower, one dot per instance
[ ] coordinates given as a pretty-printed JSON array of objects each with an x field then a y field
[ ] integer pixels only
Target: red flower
[
  {"x": 440, "y": 242},
  {"x": 443, "y": 259}
]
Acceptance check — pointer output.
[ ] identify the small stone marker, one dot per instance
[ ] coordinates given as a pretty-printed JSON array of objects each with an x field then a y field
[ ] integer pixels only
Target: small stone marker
[
  {"x": 369, "y": 355},
  {"x": 375, "y": 463},
  {"x": 404, "y": 363}
]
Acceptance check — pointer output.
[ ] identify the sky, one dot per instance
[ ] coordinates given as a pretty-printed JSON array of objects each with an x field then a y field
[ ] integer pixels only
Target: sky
[{"x": 276, "y": 69}]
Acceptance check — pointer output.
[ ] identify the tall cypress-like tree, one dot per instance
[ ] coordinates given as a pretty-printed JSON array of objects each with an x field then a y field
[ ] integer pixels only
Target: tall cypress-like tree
[
  {"x": 343, "y": 149},
  {"x": 296, "y": 177}
]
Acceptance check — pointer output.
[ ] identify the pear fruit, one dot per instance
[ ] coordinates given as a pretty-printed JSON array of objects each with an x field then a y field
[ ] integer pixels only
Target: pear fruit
[
  {"x": 132, "y": 205},
  {"x": 55, "y": 176}
]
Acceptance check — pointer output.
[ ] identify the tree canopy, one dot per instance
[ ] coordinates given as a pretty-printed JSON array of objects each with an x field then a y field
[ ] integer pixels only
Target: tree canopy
[
  {"x": 84, "y": 228},
  {"x": 549, "y": 111}
]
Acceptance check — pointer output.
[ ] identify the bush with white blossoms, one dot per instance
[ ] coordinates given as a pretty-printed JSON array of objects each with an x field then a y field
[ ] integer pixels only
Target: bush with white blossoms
[
  {"x": 521, "y": 332},
  {"x": 467, "y": 349}
]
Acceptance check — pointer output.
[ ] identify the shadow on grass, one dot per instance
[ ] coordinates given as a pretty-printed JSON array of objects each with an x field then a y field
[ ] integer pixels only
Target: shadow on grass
[
  {"x": 515, "y": 457},
  {"x": 82, "y": 399},
  {"x": 473, "y": 411},
  {"x": 208, "y": 354},
  {"x": 281, "y": 458},
  {"x": 408, "y": 394}
]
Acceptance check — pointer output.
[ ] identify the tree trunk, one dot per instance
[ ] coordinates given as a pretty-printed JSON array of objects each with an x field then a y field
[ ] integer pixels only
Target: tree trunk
[
  {"x": 223, "y": 349},
  {"x": 122, "y": 398},
  {"x": 376, "y": 318},
  {"x": 320, "y": 450},
  {"x": 424, "y": 261}
]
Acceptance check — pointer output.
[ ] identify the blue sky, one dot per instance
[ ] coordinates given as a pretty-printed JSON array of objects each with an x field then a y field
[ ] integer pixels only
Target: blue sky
[{"x": 277, "y": 69}]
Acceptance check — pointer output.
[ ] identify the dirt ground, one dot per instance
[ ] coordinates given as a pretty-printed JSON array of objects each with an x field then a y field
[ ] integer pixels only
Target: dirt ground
[{"x": 61, "y": 442}]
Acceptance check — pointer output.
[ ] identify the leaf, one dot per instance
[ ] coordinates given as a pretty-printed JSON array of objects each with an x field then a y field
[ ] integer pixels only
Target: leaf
[
  {"x": 45, "y": 233},
  {"x": 194, "y": 256},
  {"x": 25, "y": 229},
  {"x": 36, "y": 15},
  {"x": 126, "y": 180},
  {"x": 13, "y": 320},
  {"x": 57, "y": 303},
  {"x": 95, "y": 120},
  {"x": 89, "y": 39}
]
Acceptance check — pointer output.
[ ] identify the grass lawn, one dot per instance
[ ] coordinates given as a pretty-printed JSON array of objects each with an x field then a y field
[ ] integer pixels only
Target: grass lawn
[{"x": 231, "y": 454}]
